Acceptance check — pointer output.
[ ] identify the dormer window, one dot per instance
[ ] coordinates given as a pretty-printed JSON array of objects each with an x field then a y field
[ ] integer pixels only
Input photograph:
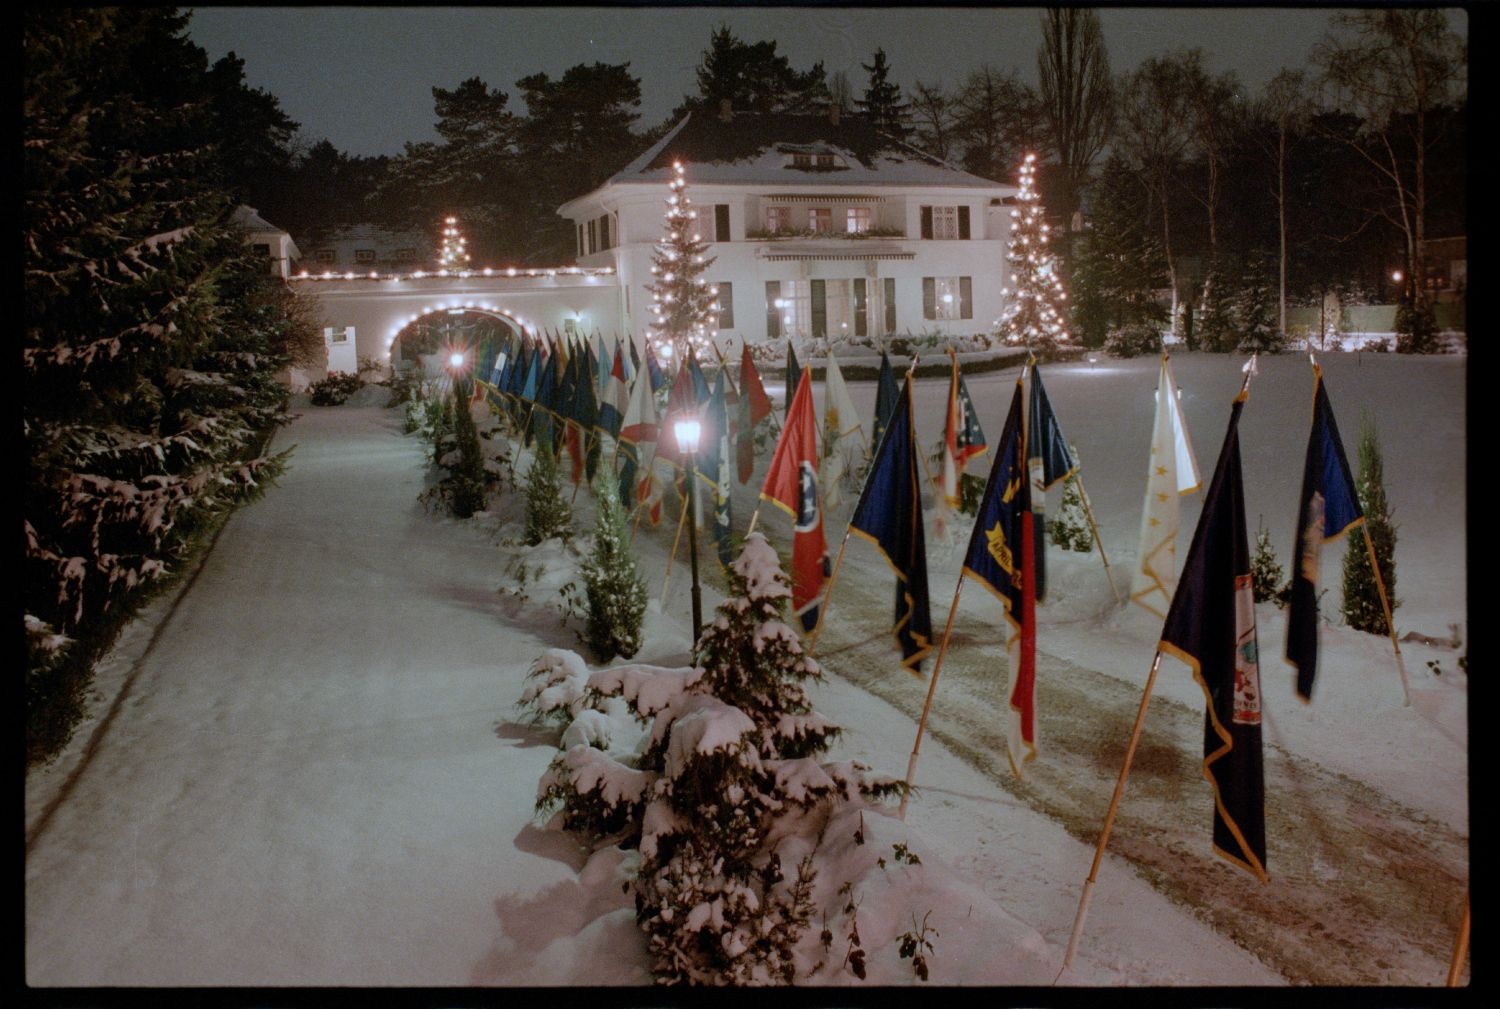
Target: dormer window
[
  {"x": 826, "y": 161},
  {"x": 802, "y": 160}
]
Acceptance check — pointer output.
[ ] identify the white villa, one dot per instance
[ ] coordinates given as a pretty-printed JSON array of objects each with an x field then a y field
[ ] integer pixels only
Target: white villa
[{"x": 820, "y": 226}]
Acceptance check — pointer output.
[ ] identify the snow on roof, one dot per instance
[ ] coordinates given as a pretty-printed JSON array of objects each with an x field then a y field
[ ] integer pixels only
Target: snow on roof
[
  {"x": 757, "y": 148},
  {"x": 249, "y": 218}
]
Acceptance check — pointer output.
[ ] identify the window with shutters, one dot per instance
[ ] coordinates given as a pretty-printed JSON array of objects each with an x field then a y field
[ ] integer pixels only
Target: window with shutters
[
  {"x": 593, "y": 236},
  {"x": 947, "y": 298},
  {"x": 945, "y": 222},
  {"x": 819, "y": 308},
  {"x": 604, "y": 232},
  {"x": 726, "y": 304},
  {"x": 889, "y": 305}
]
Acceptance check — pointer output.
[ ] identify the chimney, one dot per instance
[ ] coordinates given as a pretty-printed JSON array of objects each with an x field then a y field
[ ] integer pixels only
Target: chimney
[
  {"x": 833, "y": 113},
  {"x": 726, "y": 110}
]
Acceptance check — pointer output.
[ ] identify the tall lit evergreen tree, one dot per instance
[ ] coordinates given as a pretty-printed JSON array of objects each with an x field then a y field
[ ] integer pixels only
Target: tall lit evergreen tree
[
  {"x": 685, "y": 305},
  {"x": 1033, "y": 312}
]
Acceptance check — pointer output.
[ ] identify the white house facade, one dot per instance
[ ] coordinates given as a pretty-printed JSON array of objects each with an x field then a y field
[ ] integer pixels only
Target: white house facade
[{"x": 819, "y": 227}]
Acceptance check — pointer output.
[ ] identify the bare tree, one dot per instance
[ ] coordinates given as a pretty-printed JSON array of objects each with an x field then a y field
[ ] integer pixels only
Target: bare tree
[
  {"x": 933, "y": 118},
  {"x": 1393, "y": 68},
  {"x": 1213, "y": 104},
  {"x": 1077, "y": 94},
  {"x": 999, "y": 118},
  {"x": 840, "y": 91},
  {"x": 1153, "y": 134},
  {"x": 1287, "y": 106}
]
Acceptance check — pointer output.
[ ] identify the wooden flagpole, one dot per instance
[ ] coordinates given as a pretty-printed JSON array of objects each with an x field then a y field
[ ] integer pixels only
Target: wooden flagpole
[
  {"x": 812, "y": 639},
  {"x": 937, "y": 667},
  {"x": 1098, "y": 540},
  {"x": 1109, "y": 818},
  {"x": 1460, "y": 948},
  {"x": 1385, "y": 604}
]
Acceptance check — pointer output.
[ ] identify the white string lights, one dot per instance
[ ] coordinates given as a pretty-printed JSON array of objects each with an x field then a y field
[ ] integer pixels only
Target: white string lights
[
  {"x": 1033, "y": 314},
  {"x": 685, "y": 307},
  {"x": 453, "y": 255}
]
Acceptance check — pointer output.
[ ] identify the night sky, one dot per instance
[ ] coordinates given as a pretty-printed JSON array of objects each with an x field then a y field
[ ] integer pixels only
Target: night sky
[{"x": 362, "y": 77}]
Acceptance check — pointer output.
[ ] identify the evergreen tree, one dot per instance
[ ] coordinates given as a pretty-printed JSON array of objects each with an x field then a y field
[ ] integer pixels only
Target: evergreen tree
[
  {"x": 1033, "y": 313},
  {"x": 725, "y": 774},
  {"x": 1255, "y": 310},
  {"x": 466, "y": 480},
  {"x": 1362, "y": 609},
  {"x": 882, "y": 102},
  {"x": 684, "y": 304},
  {"x": 1120, "y": 263},
  {"x": 152, "y": 336},
  {"x": 752, "y": 78},
  {"x": 615, "y": 592},
  {"x": 452, "y": 254},
  {"x": 1265, "y": 571},
  {"x": 1215, "y": 326},
  {"x": 547, "y": 514}
]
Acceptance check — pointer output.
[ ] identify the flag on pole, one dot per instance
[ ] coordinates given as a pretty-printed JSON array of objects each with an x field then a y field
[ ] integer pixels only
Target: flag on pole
[
  {"x": 792, "y": 484},
  {"x": 842, "y": 433},
  {"x": 1050, "y": 460},
  {"x": 1211, "y": 627},
  {"x": 793, "y": 374},
  {"x": 889, "y": 514},
  {"x": 754, "y": 407},
  {"x": 1174, "y": 472},
  {"x": 1328, "y": 508},
  {"x": 716, "y": 466},
  {"x": 1001, "y": 556},
  {"x": 658, "y": 378},
  {"x": 962, "y": 437},
  {"x": 616, "y": 399},
  {"x": 886, "y": 393}
]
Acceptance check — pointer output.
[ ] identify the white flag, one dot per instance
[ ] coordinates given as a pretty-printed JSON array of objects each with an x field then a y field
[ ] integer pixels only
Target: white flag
[
  {"x": 842, "y": 432},
  {"x": 1174, "y": 472}
]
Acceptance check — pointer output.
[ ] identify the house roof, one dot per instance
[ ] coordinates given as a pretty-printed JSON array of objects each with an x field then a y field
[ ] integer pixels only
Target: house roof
[{"x": 756, "y": 148}]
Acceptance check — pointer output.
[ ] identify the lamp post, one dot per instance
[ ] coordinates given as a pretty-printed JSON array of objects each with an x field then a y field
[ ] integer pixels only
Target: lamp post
[{"x": 687, "y": 431}]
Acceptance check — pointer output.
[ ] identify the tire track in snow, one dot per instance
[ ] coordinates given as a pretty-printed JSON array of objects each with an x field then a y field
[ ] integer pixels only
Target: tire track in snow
[{"x": 1363, "y": 890}]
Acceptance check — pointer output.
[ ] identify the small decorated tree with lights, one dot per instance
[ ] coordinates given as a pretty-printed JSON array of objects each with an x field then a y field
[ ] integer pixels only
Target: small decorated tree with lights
[
  {"x": 453, "y": 255},
  {"x": 685, "y": 306},
  {"x": 1033, "y": 314}
]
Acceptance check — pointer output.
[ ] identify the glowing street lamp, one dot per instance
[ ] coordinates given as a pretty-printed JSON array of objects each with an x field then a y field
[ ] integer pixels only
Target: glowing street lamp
[{"x": 688, "y": 431}]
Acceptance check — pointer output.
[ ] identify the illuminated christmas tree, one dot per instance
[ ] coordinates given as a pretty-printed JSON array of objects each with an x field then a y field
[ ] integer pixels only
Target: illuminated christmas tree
[
  {"x": 686, "y": 307},
  {"x": 453, "y": 255},
  {"x": 1033, "y": 315}
]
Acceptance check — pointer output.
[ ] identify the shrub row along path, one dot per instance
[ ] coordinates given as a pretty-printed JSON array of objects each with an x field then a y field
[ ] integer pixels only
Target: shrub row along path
[{"x": 1363, "y": 891}]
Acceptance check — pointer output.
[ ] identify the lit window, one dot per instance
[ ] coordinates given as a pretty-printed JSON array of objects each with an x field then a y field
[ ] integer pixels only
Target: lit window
[
  {"x": 947, "y": 298},
  {"x": 778, "y": 218},
  {"x": 364, "y": 255},
  {"x": 945, "y": 222},
  {"x": 338, "y": 334},
  {"x": 859, "y": 220},
  {"x": 819, "y": 219}
]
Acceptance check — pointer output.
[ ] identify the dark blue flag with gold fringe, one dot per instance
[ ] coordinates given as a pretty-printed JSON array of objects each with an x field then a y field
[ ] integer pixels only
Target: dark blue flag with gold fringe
[
  {"x": 886, "y": 394},
  {"x": 793, "y": 376},
  {"x": 1328, "y": 508},
  {"x": 1050, "y": 460},
  {"x": 1211, "y": 627},
  {"x": 1002, "y": 556},
  {"x": 889, "y": 515}
]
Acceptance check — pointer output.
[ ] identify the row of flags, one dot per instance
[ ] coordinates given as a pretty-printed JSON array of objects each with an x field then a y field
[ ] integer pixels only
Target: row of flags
[{"x": 1209, "y": 616}]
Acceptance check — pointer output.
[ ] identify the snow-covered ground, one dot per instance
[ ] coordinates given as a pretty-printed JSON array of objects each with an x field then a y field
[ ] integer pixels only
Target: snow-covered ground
[{"x": 310, "y": 769}]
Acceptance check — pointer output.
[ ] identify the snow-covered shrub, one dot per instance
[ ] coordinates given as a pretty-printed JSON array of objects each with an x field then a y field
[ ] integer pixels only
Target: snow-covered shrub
[
  {"x": 1069, "y": 529},
  {"x": 547, "y": 514},
  {"x": 615, "y": 591},
  {"x": 1133, "y": 340},
  {"x": 555, "y": 687},
  {"x": 1217, "y": 325},
  {"x": 722, "y": 792},
  {"x": 1416, "y": 329},
  {"x": 335, "y": 389},
  {"x": 465, "y": 483}
]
